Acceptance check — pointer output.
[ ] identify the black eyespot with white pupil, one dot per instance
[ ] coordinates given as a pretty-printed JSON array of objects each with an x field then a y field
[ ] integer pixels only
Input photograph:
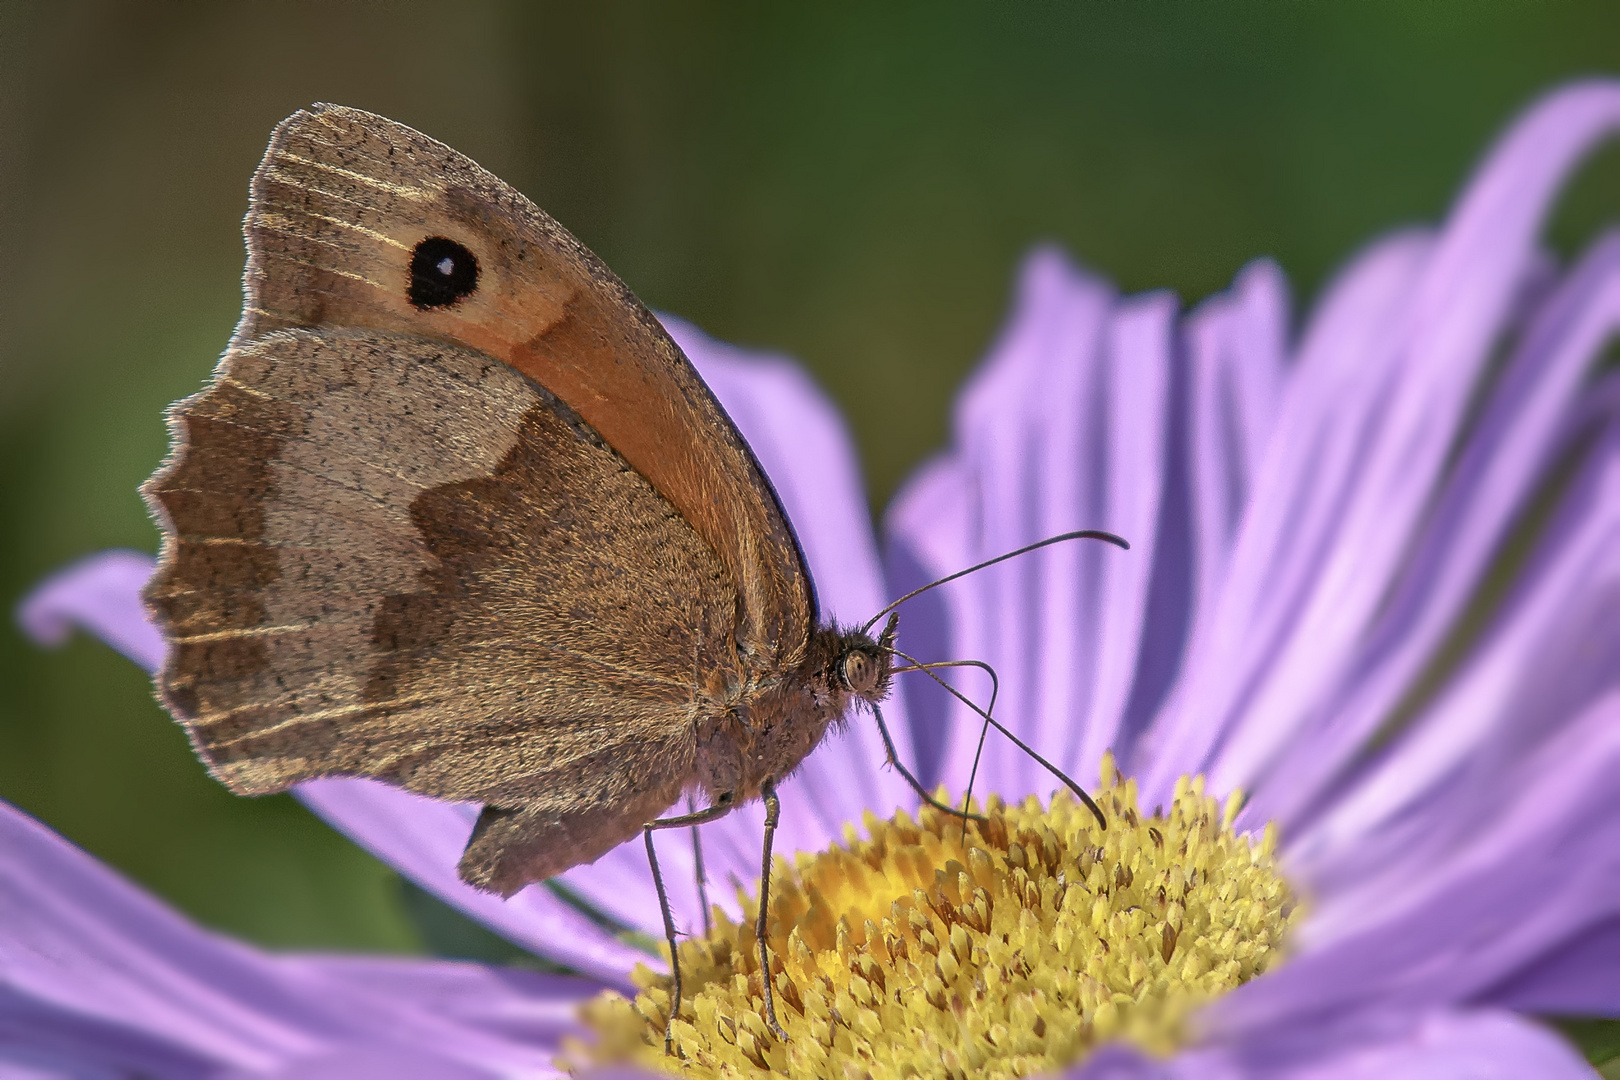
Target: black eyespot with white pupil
[
  {"x": 860, "y": 671},
  {"x": 442, "y": 273}
]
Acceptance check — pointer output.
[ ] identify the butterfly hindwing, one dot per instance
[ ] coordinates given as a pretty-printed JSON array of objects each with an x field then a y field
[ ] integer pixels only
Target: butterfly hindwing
[{"x": 393, "y": 557}]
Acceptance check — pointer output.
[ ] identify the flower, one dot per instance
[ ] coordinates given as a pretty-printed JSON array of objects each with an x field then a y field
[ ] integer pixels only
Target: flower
[
  {"x": 1375, "y": 584},
  {"x": 1006, "y": 947}
]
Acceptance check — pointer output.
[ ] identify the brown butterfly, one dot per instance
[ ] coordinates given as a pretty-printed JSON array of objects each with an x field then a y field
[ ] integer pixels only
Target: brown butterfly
[{"x": 455, "y": 513}]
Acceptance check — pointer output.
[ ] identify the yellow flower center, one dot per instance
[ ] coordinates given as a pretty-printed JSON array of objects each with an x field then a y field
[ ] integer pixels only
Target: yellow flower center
[{"x": 1007, "y": 952}]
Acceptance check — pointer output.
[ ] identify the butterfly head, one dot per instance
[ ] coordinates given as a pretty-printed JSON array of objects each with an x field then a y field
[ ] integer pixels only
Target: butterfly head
[{"x": 864, "y": 665}]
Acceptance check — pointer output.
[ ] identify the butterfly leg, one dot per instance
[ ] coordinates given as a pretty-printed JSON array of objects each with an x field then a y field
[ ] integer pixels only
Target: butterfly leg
[
  {"x": 719, "y": 810},
  {"x": 773, "y": 813}
]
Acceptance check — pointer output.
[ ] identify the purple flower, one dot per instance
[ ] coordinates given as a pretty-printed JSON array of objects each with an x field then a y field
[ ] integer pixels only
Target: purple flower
[{"x": 1375, "y": 583}]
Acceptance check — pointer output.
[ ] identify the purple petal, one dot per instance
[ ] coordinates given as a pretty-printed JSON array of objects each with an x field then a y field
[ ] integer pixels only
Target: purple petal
[
  {"x": 1271, "y": 559},
  {"x": 370, "y": 1063},
  {"x": 1553, "y": 649},
  {"x": 1477, "y": 1044},
  {"x": 83, "y": 950},
  {"x": 1580, "y": 977},
  {"x": 1353, "y": 496},
  {"x": 1453, "y": 922},
  {"x": 101, "y": 595},
  {"x": 1525, "y": 427},
  {"x": 931, "y": 524},
  {"x": 40, "y": 1040},
  {"x": 1483, "y": 1045},
  {"x": 1236, "y": 344},
  {"x": 1065, "y": 428},
  {"x": 526, "y": 1006},
  {"x": 423, "y": 839},
  {"x": 1120, "y": 1062}
]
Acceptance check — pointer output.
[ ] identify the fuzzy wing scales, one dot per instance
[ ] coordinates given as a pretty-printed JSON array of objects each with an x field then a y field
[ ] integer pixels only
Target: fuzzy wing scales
[{"x": 391, "y": 557}]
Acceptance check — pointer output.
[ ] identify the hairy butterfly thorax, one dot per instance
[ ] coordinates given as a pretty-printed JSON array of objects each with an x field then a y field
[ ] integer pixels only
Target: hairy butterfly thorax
[{"x": 765, "y": 737}]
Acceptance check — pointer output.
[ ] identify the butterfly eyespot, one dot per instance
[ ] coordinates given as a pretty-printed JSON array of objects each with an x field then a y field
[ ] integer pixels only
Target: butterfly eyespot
[
  {"x": 442, "y": 273},
  {"x": 859, "y": 671}
]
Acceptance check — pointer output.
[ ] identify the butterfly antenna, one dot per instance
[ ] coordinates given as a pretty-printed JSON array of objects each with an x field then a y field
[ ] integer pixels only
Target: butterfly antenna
[
  {"x": 1016, "y": 741},
  {"x": 916, "y": 785},
  {"x": 984, "y": 729},
  {"x": 1082, "y": 534}
]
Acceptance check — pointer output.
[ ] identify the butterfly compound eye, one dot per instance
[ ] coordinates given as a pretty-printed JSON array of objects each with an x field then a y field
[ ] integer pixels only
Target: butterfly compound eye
[
  {"x": 442, "y": 272},
  {"x": 859, "y": 671}
]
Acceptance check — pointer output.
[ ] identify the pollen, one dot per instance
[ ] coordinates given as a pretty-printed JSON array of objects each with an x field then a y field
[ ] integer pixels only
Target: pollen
[{"x": 1007, "y": 947}]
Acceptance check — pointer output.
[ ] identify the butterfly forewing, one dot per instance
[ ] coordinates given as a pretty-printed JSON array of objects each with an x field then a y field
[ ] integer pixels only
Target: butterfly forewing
[{"x": 339, "y": 205}]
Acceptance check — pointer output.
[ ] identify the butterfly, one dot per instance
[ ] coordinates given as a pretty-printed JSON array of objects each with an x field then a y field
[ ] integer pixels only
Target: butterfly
[{"x": 456, "y": 514}]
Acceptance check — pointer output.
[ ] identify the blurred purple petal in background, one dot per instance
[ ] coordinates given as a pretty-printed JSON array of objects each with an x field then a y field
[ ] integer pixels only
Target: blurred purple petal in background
[{"x": 101, "y": 596}]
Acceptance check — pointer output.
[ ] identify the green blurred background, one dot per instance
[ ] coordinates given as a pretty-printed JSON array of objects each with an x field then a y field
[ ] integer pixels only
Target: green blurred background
[{"x": 849, "y": 184}]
